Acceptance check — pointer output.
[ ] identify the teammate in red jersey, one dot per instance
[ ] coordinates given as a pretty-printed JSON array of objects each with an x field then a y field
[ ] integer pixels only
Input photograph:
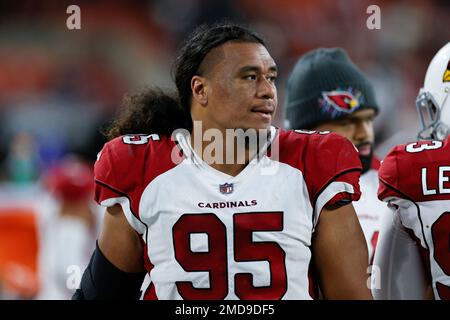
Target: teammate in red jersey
[
  {"x": 327, "y": 91},
  {"x": 223, "y": 220},
  {"x": 413, "y": 253}
]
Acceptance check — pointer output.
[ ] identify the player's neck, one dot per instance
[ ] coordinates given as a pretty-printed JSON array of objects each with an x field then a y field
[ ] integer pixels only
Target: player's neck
[
  {"x": 220, "y": 153},
  {"x": 229, "y": 169}
]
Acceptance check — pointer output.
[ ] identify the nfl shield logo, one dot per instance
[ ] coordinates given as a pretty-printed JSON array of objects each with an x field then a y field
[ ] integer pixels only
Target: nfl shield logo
[{"x": 226, "y": 188}]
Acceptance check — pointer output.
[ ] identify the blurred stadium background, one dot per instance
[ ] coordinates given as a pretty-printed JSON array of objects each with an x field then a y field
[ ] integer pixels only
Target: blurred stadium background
[{"x": 59, "y": 86}]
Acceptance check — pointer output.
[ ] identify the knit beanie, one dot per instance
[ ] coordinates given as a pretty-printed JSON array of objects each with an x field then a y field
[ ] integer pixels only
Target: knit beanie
[{"x": 325, "y": 85}]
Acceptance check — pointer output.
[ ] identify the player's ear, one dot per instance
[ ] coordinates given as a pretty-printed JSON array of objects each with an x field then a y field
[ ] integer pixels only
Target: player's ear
[{"x": 198, "y": 88}]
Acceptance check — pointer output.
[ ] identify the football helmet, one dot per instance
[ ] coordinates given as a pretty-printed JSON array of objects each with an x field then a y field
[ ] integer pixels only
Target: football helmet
[{"x": 433, "y": 101}]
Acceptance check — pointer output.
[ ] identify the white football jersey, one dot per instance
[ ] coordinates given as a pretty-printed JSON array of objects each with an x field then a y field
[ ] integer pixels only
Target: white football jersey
[
  {"x": 369, "y": 208},
  {"x": 415, "y": 180},
  {"x": 209, "y": 235}
]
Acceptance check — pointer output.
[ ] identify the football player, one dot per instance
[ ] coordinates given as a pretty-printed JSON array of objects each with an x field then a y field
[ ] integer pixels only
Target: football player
[
  {"x": 68, "y": 225},
  {"x": 413, "y": 251},
  {"x": 202, "y": 229},
  {"x": 327, "y": 91}
]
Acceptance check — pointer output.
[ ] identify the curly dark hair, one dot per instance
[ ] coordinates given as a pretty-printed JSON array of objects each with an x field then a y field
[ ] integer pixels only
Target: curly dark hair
[
  {"x": 154, "y": 111},
  {"x": 149, "y": 111},
  {"x": 200, "y": 42}
]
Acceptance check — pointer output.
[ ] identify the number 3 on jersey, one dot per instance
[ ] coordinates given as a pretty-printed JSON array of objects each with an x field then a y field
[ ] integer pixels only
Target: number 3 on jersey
[
  {"x": 214, "y": 261},
  {"x": 423, "y": 145}
]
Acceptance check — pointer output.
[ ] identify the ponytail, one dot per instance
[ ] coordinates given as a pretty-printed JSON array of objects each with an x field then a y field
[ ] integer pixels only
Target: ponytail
[{"x": 149, "y": 111}]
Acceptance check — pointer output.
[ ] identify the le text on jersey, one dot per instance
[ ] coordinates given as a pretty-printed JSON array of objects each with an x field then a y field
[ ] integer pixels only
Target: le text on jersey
[{"x": 436, "y": 182}]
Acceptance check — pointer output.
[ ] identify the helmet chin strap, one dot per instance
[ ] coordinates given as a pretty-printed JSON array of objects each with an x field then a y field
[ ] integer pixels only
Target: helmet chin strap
[
  {"x": 436, "y": 130},
  {"x": 441, "y": 131}
]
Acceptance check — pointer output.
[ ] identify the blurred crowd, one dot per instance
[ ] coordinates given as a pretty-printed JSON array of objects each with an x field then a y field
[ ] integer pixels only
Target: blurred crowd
[{"x": 59, "y": 87}]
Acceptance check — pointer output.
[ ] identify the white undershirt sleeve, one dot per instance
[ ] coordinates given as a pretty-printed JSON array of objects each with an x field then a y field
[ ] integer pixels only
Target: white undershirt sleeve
[{"x": 400, "y": 274}]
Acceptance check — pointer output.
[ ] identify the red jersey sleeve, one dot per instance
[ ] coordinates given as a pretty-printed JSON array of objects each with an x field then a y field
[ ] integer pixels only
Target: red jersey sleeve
[
  {"x": 329, "y": 164},
  {"x": 118, "y": 170},
  {"x": 126, "y": 166},
  {"x": 117, "y": 174},
  {"x": 388, "y": 176},
  {"x": 411, "y": 171},
  {"x": 332, "y": 171},
  {"x": 121, "y": 175}
]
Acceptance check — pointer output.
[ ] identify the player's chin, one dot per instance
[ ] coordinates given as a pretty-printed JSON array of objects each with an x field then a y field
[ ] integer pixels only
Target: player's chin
[{"x": 259, "y": 121}]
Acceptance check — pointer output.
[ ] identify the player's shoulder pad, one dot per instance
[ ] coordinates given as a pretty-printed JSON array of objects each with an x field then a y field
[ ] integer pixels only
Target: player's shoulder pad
[
  {"x": 321, "y": 156},
  {"x": 325, "y": 146},
  {"x": 124, "y": 161},
  {"x": 401, "y": 170},
  {"x": 388, "y": 171}
]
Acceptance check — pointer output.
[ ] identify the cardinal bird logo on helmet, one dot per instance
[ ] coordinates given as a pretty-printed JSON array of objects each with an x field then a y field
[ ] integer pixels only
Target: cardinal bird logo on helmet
[{"x": 447, "y": 73}]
